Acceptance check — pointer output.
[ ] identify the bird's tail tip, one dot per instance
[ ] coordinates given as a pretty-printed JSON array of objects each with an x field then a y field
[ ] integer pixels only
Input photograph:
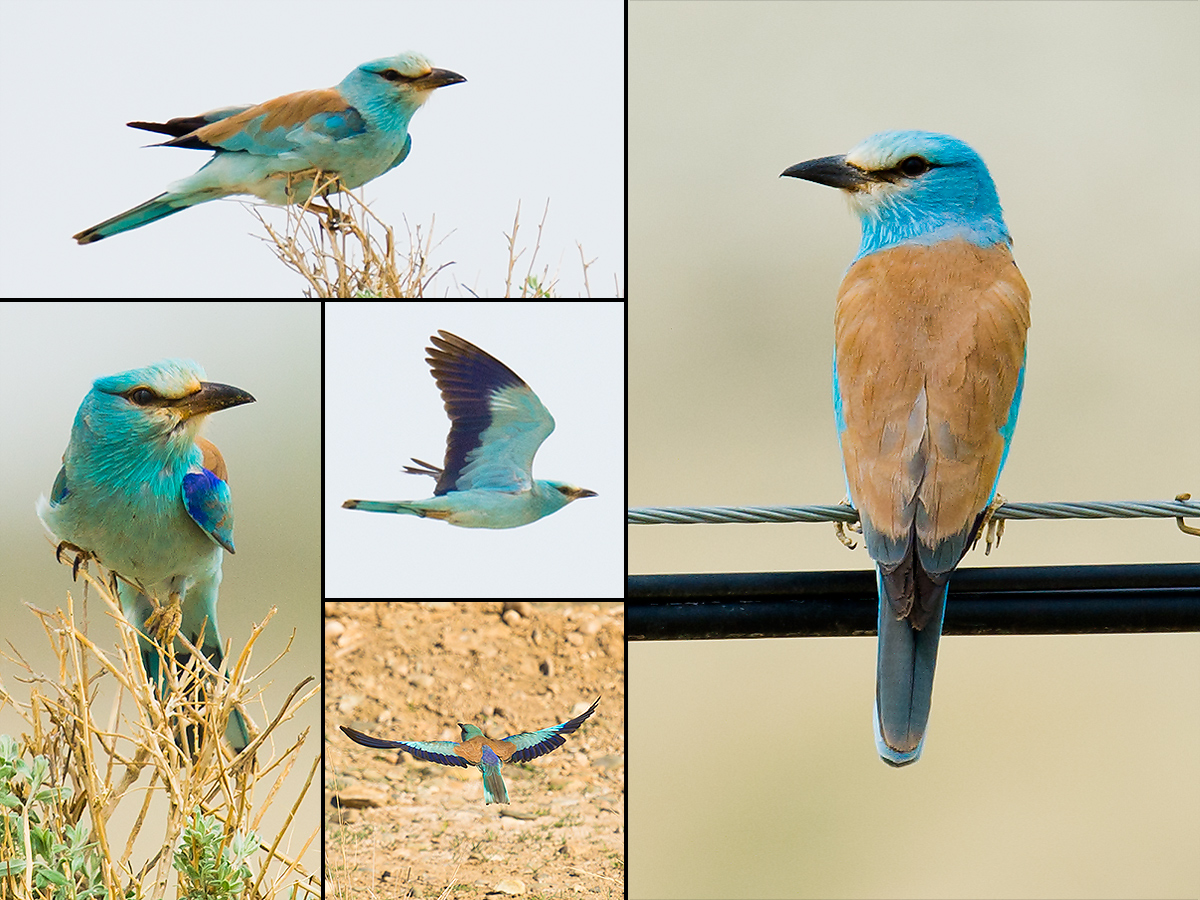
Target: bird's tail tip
[
  {"x": 897, "y": 757},
  {"x": 387, "y": 506},
  {"x": 152, "y": 210}
]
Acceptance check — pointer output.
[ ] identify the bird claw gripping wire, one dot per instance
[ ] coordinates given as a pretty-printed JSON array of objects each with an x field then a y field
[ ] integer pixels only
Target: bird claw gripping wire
[
  {"x": 840, "y": 528},
  {"x": 1184, "y": 526},
  {"x": 993, "y": 526}
]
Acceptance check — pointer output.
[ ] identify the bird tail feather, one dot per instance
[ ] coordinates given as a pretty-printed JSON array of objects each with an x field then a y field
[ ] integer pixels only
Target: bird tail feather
[
  {"x": 904, "y": 673},
  {"x": 385, "y": 506},
  {"x": 151, "y": 211},
  {"x": 494, "y": 790}
]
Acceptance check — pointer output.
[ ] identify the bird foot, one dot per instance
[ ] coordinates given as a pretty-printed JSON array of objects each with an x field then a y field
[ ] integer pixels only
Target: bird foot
[
  {"x": 992, "y": 525},
  {"x": 335, "y": 218},
  {"x": 163, "y": 623},
  {"x": 1184, "y": 526},
  {"x": 840, "y": 529},
  {"x": 82, "y": 557}
]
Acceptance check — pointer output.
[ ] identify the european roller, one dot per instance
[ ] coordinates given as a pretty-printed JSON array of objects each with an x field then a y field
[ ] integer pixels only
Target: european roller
[
  {"x": 475, "y": 749},
  {"x": 496, "y": 426},
  {"x": 929, "y": 362},
  {"x": 357, "y": 130},
  {"x": 140, "y": 491}
]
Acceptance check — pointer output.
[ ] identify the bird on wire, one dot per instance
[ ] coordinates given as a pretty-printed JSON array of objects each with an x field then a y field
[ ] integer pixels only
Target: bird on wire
[{"x": 929, "y": 364}]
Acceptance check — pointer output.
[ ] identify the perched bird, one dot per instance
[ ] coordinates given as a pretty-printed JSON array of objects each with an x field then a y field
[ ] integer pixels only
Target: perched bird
[
  {"x": 928, "y": 369},
  {"x": 496, "y": 426},
  {"x": 357, "y": 131},
  {"x": 142, "y": 493},
  {"x": 482, "y": 752}
]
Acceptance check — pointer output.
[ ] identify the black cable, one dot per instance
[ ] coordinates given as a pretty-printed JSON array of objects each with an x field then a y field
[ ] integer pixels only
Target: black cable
[{"x": 1014, "y": 600}]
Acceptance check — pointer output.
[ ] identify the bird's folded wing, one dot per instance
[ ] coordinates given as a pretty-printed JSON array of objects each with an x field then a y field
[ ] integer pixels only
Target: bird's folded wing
[
  {"x": 181, "y": 127},
  {"x": 284, "y": 124}
]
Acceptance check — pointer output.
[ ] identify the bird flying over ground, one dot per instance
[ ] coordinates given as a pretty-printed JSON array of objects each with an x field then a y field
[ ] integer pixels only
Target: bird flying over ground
[
  {"x": 357, "y": 131},
  {"x": 929, "y": 363},
  {"x": 496, "y": 426},
  {"x": 140, "y": 491},
  {"x": 482, "y": 752}
]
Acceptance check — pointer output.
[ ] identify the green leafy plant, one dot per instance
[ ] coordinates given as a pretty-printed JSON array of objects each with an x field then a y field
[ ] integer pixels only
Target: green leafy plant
[
  {"x": 209, "y": 866},
  {"x": 40, "y": 854}
]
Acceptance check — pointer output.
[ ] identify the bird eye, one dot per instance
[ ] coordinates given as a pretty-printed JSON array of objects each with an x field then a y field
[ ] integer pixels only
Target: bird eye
[
  {"x": 393, "y": 75},
  {"x": 913, "y": 166},
  {"x": 142, "y": 396}
]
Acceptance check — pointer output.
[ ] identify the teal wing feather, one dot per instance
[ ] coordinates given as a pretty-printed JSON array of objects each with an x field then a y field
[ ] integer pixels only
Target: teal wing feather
[
  {"x": 441, "y": 752},
  {"x": 496, "y": 422},
  {"x": 532, "y": 744}
]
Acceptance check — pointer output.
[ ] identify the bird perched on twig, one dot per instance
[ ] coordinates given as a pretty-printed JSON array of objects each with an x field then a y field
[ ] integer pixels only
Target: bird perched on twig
[
  {"x": 357, "y": 131},
  {"x": 140, "y": 491}
]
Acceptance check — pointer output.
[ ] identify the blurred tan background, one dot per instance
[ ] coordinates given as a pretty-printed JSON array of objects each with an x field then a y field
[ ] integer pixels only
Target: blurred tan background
[
  {"x": 1055, "y": 766},
  {"x": 50, "y": 353}
]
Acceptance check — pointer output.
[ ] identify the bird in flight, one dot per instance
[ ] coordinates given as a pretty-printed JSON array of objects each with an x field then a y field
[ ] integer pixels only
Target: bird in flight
[
  {"x": 496, "y": 426},
  {"x": 475, "y": 749}
]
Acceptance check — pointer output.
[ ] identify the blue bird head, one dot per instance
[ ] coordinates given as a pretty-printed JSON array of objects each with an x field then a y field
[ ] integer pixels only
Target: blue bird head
[
  {"x": 159, "y": 408},
  {"x": 913, "y": 187},
  {"x": 392, "y": 89},
  {"x": 469, "y": 731}
]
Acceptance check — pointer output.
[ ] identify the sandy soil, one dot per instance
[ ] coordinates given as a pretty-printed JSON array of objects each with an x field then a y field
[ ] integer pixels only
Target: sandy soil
[{"x": 411, "y": 671}]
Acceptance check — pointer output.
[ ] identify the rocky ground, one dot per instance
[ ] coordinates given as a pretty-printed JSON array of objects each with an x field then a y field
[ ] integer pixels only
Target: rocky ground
[{"x": 411, "y": 671}]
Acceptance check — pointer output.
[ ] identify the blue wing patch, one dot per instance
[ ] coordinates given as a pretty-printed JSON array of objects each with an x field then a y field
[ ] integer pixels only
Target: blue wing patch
[{"x": 207, "y": 500}]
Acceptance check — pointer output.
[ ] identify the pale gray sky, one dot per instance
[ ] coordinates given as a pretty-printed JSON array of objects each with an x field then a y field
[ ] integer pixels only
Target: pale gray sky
[
  {"x": 383, "y": 407},
  {"x": 540, "y": 117}
]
